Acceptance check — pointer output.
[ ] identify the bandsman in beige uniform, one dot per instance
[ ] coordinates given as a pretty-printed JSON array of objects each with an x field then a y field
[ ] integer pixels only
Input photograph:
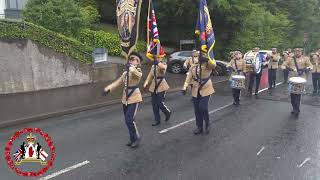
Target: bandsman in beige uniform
[
  {"x": 158, "y": 87},
  {"x": 201, "y": 91},
  {"x": 131, "y": 95},
  {"x": 287, "y": 56},
  {"x": 191, "y": 61},
  {"x": 236, "y": 66},
  {"x": 315, "y": 61},
  {"x": 299, "y": 66},
  {"x": 273, "y": 65}
]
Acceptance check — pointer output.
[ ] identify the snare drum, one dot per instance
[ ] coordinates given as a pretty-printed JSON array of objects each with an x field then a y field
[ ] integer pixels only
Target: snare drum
[
  {"x": 297, "y": 85},
  {"x": 237, "y": 82}
]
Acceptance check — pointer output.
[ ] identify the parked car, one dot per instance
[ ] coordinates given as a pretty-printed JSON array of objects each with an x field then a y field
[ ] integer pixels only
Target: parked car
[{"x": 177, "y": 59}]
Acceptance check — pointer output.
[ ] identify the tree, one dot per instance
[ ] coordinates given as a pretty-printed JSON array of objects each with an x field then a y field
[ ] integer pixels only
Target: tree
[{"x": 63, "y": 16}]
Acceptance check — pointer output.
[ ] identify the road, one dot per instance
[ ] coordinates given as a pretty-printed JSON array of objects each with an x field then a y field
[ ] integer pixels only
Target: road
[{"x": 258, "y": 140}]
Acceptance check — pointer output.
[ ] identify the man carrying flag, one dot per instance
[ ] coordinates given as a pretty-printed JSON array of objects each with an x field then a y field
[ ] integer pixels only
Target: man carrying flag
[
  {"x": 201, "y": 73},
  {"x": 156, "y": 76}
]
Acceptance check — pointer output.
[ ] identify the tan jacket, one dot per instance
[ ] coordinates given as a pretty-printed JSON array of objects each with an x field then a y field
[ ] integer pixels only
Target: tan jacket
[
  {"x": 302, "y": 62},
  {"x": 241, "y": 64},
  {"x": 316, "y": 66},
  {"x": 160, "y": 72},
  {"x": 190, "y": 62},
  {"x": 207, "y": 89},
  {"x": 135, "y": 75},
  {"x": 273, "y": 62}
]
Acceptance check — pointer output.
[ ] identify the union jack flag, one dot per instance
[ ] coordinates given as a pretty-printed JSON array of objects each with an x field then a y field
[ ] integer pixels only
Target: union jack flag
[
  {"x": 17, "y": 156},
  {"x": 154, "y": 48}
]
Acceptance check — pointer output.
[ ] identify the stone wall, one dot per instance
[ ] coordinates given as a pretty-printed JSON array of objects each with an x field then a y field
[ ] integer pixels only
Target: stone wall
[{"x": 27, "y": 66}]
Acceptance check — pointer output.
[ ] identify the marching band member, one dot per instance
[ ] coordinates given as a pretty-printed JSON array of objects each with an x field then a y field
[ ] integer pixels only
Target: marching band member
[
  {"x": 158, "y": 90},
  {"x": 191, "y": 61},
  {"x": 253, "y": 76},
  {"x": 201, "y": 91},
  {"x": 315, "y": 60},
  {"x": 287, "y": 56},
  {"x": 236, "y": 66},
  {"x": 131, "y": 95},
  {"x": 300, "y": 66},
  {"x": 273, "y": 65}
]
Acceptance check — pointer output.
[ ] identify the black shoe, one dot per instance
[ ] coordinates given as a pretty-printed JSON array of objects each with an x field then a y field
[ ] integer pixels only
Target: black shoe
[
  {"x": 156, "y": 124},
  {"x": 234, "y": 103},
  {"x": 296, "y": 114},
  {"x": 168, "y": 115},
  {"x": 292, "y": 112},
  {"x": 207, "y": 129},
  {"x": 129, "y": 143},
  {"x": 198, "y": 131},
  {"x": 256, "y": 93},
  {"x": 135, "y": 144}
]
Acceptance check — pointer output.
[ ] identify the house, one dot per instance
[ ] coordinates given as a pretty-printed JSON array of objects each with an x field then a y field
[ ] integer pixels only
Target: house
[
  {"x": 2, "y": 7},
  {"x": 13, "y": 8}
]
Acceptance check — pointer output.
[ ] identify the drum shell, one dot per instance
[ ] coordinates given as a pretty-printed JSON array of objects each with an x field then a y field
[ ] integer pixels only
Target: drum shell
[
  {"x": 296, "y": 87},
  {"x": 237, "y": 83}
]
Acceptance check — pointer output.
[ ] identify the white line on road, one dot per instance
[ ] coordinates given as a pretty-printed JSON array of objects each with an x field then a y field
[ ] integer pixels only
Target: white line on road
[
  {"x": 192, "y": 119},
  {"x": 304, "y": 162},
  {"x": 259, "y": 152},
  {"x": 211, "y": 112},
  {"x": 267, "y": 88},
  {"x": 65, "y": 170}
]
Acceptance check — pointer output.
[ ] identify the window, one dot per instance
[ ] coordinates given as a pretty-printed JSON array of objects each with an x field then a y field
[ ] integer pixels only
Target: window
[
  {"x": 186, "y": 54},
  {"x": 16, "y": 4}
]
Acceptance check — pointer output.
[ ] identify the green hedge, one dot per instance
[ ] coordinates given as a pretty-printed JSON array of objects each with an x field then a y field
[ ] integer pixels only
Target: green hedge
[
  {"x": 80, "y": 48},
  {"x": 106, "y": 40},
  {"x": 58, "y": 42}
]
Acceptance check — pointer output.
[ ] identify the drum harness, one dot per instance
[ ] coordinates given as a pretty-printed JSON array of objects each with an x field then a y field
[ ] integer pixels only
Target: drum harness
[
  {"x": 300, "y": 71},
  {"x": 198, "y": 79}
]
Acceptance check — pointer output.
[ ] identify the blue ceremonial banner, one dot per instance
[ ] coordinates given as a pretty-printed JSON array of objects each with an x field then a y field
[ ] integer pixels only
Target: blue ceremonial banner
[{"x": 205, "y": 31}]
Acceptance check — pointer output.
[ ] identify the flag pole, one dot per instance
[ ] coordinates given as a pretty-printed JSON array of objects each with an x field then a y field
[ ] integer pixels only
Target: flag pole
[{"x": 127, "y": 80}]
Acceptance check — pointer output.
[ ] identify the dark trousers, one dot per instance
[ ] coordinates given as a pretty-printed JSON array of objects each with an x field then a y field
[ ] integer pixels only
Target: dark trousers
[
  {"x": 253, "y": 76},
  {"x": 285, "y": 75},
  {"x": 158, "y": 104},
  {"x": 236, "y": 94},
  {"x": 316, "y": 82},
  {"x": 295, "y": 102},
  {"x": 129, "y": 115},
  {"x": 201, "y": 110},
  {"x": 272, "y": 77}
]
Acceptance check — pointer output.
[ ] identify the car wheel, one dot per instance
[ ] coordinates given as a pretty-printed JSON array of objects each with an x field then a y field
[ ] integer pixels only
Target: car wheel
[{"x": 176, "y": 68}]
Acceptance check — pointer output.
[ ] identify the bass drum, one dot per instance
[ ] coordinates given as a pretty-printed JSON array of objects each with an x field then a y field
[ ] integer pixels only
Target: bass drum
[
  {"x": 253, "y": 59},
  {"x": 257, "y": 63}
]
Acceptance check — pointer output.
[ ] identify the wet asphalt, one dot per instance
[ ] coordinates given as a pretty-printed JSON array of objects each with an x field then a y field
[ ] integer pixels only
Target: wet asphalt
[{"x": 258, "y": 140}]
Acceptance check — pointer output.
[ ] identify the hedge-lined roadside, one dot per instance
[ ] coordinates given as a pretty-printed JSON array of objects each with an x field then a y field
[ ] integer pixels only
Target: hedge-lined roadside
[
  {"x": 78, "y": 49},
  {"x": 106, "y": 40},
  {"x": 58, "y": 42}
]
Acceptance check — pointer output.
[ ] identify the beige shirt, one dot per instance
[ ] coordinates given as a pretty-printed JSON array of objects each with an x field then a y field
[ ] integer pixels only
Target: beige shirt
[
  {"x": 194, "y": 72},
  {"x": 273, "y": 62},
  {"x": 241, "y": 64},
  {"x": 316, "y": 66},
  {"x": 135, "y": 75},
  {"x": 161, "y": 70},
  {"x": 302, "y": 62},
  {"x": 190, "y": 62}
]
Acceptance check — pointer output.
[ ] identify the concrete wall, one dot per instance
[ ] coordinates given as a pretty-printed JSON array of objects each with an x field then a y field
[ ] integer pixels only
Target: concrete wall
[{"x": 27, "y": 66}]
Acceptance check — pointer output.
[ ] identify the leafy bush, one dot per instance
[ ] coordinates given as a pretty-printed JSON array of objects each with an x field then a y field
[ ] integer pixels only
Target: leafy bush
[
  {"x": 58, "y": 42},
  {"x": 63, "y": 16},
  {"x": 106, "y": 40}
]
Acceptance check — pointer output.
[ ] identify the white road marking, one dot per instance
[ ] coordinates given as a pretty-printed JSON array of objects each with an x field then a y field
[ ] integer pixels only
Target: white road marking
[
  {"x": 262, "y": 90},
  {"x": 259, "y": 152},
  {"x": 192, "y": 119},
  {"x": 65, "y": 170},
  {"x": 211, "y": 112},
  {"x": 304, "y": 162}
]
